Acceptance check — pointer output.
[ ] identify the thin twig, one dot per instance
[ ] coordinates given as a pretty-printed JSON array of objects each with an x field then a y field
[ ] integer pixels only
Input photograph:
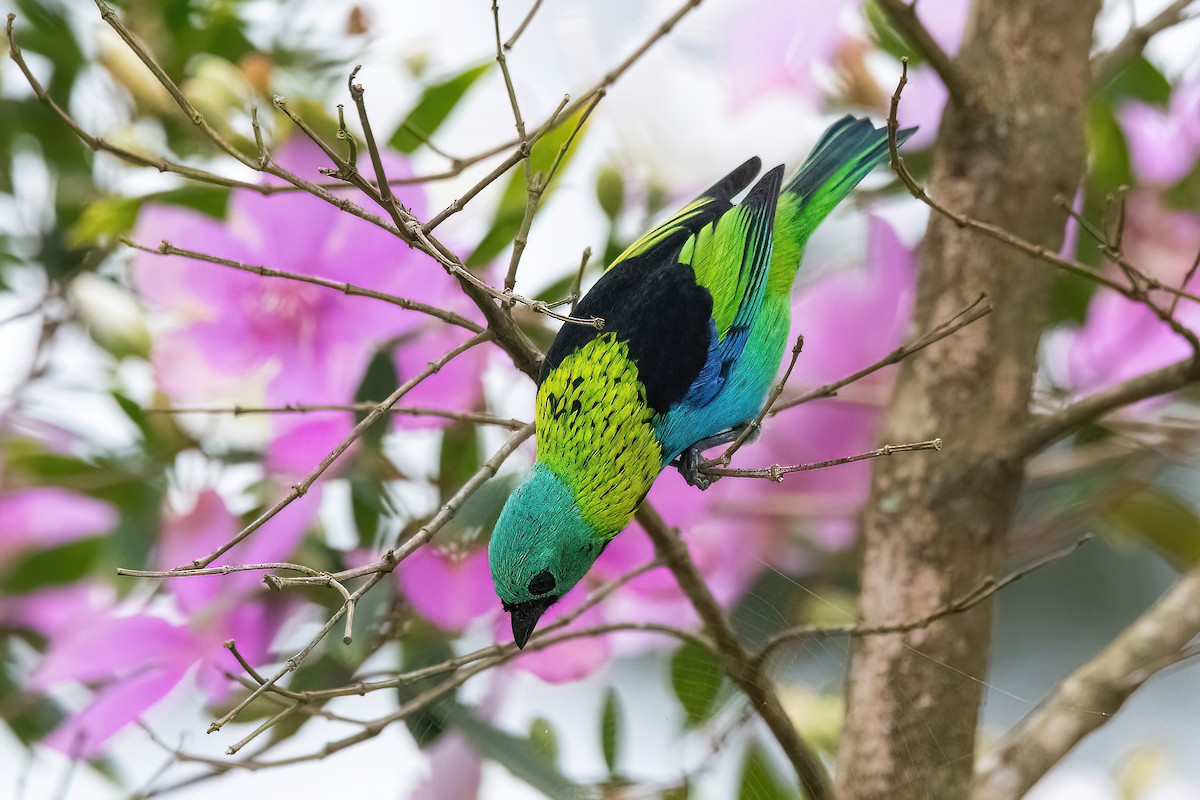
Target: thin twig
[
  {"x": 725, "y": 458},
  {"x": 1137, "y": 37},
  {"x": 512, "y": 40},
  {"x": 474, "y": 417},
  {"x": 988, "y": 587},
  {"x": 110, "y": 17},
  {"x": 775, "y": 472},
  {"x": 535, "y": 190},
  {"x": 353, "y": 290},
  {"x": 1136, "y": 293},
  {"x": 974, "y": 312},
  {"x": 300, "y": 488},
  {"x": 904, "y": 16}
]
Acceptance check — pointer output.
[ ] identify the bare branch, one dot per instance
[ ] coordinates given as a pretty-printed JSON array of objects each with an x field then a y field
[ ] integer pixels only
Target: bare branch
[
  {"x": 512, "y": 40},
  {"x": 1137, "y": 37},
  {"x": 904, "y": 16},
  {"x": 536, "y": 186},
  {"x": 741, "y": 668},
  {"x": 302, "y": 487},
  {"x": 110, "y": 17},
  {"x": 1091, "y": 695},
  {"x": 475, "y": 417},
  {"x": 984, "y": 590},
  {"x": 1049, "y": 429},
  {"x": 976, "y": 311},
  {"x": 775, "y": 472},
  {"x": 168, "y": 249},
  {"x": 1141, "y": 283}
]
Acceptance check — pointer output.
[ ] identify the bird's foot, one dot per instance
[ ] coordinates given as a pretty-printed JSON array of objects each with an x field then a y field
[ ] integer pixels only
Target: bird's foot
[{"x": 692, "y": 466}]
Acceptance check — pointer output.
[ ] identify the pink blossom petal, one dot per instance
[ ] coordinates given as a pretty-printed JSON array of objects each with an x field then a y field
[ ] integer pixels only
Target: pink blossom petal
[
  {"x": 113, "y": 647},
  {"x": 50, "y": 611},
  {"x": 1160, "y": 143},
  {"x": 302, "y": 442},
  {"x": 45, "y": 517},
  {"x": 457, "y": 386},
  {"x": 253, "y": 626},
  {"x": 946, "y": 21},
  {"x": 450, "y": 591},
  {"x": 455, "y": 771},
  {"x": 924, "y": 99},
  {"x": 772, "y": 46},
  {"x": 83, "y": 734}
]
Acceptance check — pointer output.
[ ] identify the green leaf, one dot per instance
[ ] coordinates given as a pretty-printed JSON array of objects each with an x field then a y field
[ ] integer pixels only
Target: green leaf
[
  {"x": 55, "y": 566},
  {"x": 758, "y": 779},
  {"x": 696, "y": 677},
  {"x": 460, "y": 458},
  {"x": 379, "y": 381},
  {"x": 541, "y": 736},
  {"x": 432, "y": 109},
  {"x": 1138, "y": 79},
  {"x": 424, "y": 646},
  {"x": 1160, "y": 519},
  {"x": 104, "y": 220},
  {"x": 610, "y": 723},
  {"x": 519, "y": 756},
  {"x": 511, "y": 211},
  {"x": 610, "y": 192},
  {"x": 366, "y": 503},
  {"x": 473, "y": 523},
  {"x": 29, "y": 717},
  {"x": 887, "y": 38}
]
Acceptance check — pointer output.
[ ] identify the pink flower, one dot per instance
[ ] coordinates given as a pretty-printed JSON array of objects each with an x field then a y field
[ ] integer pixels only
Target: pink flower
[
  {"x": 1164, "y": 143},
  {"x": 922, "y": 105},
  {"x": 1121, "y": 338},
  {"x": 455, "y": 770},
  {"x": 136, "y": 659},
  {"x": 44, "y": 517},
  {"x": 946, "y": 21},
  {"x": 303, "y": 343},
  {"x": 773, "y": 45},
  {"x": 448, "y": 589}
]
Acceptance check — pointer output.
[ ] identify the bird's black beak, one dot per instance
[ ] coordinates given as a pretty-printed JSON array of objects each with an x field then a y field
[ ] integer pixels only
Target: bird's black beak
[{"x": 525, "y": 617}]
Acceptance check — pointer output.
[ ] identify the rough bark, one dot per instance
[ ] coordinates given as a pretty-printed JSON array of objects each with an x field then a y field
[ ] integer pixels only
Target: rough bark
[{"x": 934, "y": 527}]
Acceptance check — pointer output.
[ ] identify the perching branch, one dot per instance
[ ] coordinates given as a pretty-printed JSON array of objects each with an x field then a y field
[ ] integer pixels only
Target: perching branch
[{"x": 775, "y": 472}]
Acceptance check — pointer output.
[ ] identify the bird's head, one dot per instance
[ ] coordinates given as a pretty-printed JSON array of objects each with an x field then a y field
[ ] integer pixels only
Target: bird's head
[{"x": 541, "y": 547}]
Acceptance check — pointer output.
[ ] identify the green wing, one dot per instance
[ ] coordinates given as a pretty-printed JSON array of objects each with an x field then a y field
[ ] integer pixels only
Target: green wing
[
  {"x": 710, "y": 205},
  {"x": 728, "y": 246}
]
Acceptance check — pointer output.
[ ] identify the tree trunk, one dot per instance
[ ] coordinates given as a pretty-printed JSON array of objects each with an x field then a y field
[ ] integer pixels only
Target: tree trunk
[{"x": 935, "y": 524}]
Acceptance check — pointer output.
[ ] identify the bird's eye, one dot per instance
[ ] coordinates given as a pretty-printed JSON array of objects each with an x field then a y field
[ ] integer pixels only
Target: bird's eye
[{"x": 542, "y": 582}]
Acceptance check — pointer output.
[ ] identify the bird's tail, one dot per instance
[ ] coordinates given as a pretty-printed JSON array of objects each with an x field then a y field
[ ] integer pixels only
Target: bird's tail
[{"x": 846, "y": 152}]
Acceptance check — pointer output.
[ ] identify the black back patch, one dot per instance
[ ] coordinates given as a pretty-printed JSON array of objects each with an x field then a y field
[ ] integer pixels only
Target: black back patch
[{"x": 655, "y": 305}]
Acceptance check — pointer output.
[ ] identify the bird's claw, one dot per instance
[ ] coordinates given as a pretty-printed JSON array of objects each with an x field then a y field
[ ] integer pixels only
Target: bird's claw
[{"x": 692, "y": 465}]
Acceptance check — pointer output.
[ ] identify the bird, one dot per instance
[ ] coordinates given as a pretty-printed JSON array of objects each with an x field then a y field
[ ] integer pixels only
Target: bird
[{"x": 695, "y": 319}]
